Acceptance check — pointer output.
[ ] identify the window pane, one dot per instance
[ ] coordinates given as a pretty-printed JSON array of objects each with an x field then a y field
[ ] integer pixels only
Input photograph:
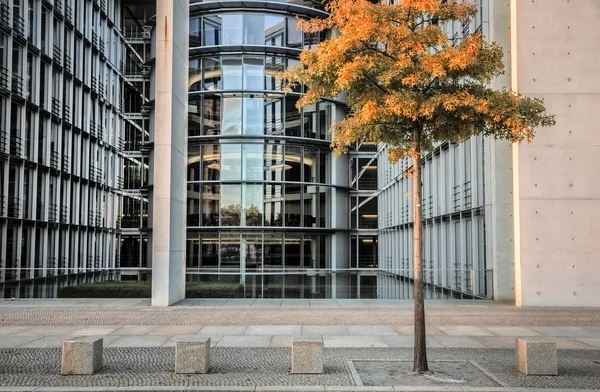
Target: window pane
[
  {"x": 232, "y": 29},
  {"x": 273, "y": 250},
  {"x": 253, "y": 161},
  {"x": 274, "y": 30},
  {"x": 273, "y": 64},
  {"x": 254, "y": 29},
  {"x": 273, "y": 116},
  {"x": 293, "y": 246},
  {"x": 212, "y": 30},
  {"x": 194, "y": 120},
  {"x": 210, "y": 204},
  {"x": 273, "y": 204},
  {"x": 231, "y": 162},
  {"x": 325, "y": 109},
  {"x": 292, "y": 117},
  {"x": 212, "y": 115},
  {"x": 209, "y": 256},
  {"x": 274, "y": 164},
  {"x": 193, "y": 205},
  {"x": 254, "y": 73},
  {"x": 367, "y": 214},
  {"x": 212, "y": 73},
  {"x": 252, "y": 205},
  {"x": 253, "y": 247},
  {"x": 230, "y": 252},
  {"x": 309, "y": 115},
  {"x": 231, "y": 202},
  {"x": 211, "y": 162},
  {"x": 232, "y": 73},
  {"x": 293, "y": 206},
  {"x": 195, "y": 75},
  {"x": 195, "y": 32},
  {"x": 294, "y": 35},
  {"x": 311, "y": 158},
  {"x": 293, "y": 162},
  {"x": 310, "y": 205},
  {"x": 193, "y": 163},
  {"x": 232, "y": 116},
  {"x": 253, "y": 116}
]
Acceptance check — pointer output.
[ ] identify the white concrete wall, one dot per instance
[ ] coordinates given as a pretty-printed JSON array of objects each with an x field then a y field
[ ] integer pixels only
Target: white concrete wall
[
  {"x": 169, "y": 157},
  {"x": 557, "y": 192}
]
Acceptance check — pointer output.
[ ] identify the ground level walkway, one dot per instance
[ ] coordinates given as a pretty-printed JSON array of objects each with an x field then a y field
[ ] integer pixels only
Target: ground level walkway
[{"x": 251, "y": 340}]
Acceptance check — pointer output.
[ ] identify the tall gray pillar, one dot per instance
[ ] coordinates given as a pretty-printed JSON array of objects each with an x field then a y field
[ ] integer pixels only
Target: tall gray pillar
[{"x": 169, "y": 156}]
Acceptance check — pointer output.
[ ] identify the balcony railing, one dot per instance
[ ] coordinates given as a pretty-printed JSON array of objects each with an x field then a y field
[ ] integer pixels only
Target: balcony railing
[
  {"x": 67, "y": 114},
  {"x": 17, "y": 84},
  {"x": 18, "y": 26},
  {"x": 57, "y": 55},
  {"x": 93, "y": 128},
  {"x": 56, "y": 107},
  {"x": 1, "y": 205},
  {"x": 67, "y": 64},
  {"x": 14, "y": 207},
  {"x": 16, "y": 146},
  {"x": 52, "y": 212},
  {"x": 94, "y": 39},
  {"x": 4, "y": 16},
  {"x": 3, "y": 139},
  {"x": 65, "y": 164},
  {"x": 51, "y": 266},
  {"x": 4, "y": 80},
  {"x": 54, "y": 159},
  {"x": 64, "y": 214},
  {"x": 68, "y": 14}
]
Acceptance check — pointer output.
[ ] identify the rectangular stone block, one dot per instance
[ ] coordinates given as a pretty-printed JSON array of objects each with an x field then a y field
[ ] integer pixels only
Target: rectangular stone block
[
  {"x": 192, "y": 355},
  {"x": 81, "y": 356},
  {"x": 536, "y": 357},
  {"x": 307, "y": 355}
]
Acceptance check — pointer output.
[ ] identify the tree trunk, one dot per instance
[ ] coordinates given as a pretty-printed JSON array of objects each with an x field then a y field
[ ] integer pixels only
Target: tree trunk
[{"x": 420, "y": 348}]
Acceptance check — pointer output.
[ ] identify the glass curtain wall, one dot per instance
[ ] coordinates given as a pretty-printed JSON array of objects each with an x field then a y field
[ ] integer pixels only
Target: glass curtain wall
[{"x": 259, "y": 193}]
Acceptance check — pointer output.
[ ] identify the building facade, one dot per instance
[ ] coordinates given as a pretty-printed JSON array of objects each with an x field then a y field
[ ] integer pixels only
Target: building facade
[{"x": 99, "y": 138}]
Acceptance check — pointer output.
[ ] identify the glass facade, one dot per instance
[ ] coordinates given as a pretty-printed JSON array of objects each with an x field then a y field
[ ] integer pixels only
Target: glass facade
[{"x": 259, "y": 200}]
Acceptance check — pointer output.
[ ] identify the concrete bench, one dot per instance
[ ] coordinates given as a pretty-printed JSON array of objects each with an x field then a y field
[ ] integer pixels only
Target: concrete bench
[
  {"x": 536, "y": 357},
  {"x": 307, "y": 355},
  {"x": 81, "y": 356},
  {"x": 192, "y": 355}
]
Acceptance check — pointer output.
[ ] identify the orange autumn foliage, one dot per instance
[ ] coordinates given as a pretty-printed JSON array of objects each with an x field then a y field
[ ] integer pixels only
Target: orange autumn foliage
[{"x": 402, "y": 74}]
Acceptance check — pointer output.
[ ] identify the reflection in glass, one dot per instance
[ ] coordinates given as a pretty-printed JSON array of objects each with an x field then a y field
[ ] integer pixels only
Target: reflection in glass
[
  {"x": 292, "y": 117},
  {"x": 253, "y": 250},
  {"x": 367, "y": 214},
  {"x": 210, "y": 251},
  {"x": 274, "y": 163},
  {"x": 194, "y": 120},
  {"x": 211, "y": 115},
  {"x": 254, "y": 73},
  {"x": 253, "y": 116},
  {"x": 230, "y": 205},
  {"x": 252, "y": 205},
  {"x": 193, "y": 205},
  {"x": 309, "y": 115},
  {"x": 294, "y": 35},
  {"x": 210, "y": 205},
  {"x": 254, "y": 33},
  {"x": 324, "y": 119},
  {"x": 273, "y": 250},
  {"x": 310, "y": 164},
  {"x": 195, "y": 32},
  {"x": 195, "y": 75},
  {"x": 193, "y": 172},
  {"x": 293, "y": 205},
  {"x": 273, "y": 116},
  {"x": 192, "y": 252},
  {"x": 212, "y": 30},
  {"x": 273, "y": 204},
  {"x": 274, "y": 30},
  {"x": 310, "y": 205},
  {"x": 293, "y": 246},
  {"x": 232, "y": 29},
  {"x": 232, "y": 118},
  {"x": 232, "y": 73},
  {"x": 230, "y": 252},
  {"x": 231, "y": 162},
  {"x": 293, "y": 162},
  {"x": 253, "y": 161},
  {"x": 273, "y": 65},
  {"x": 211, "y": 162},
  {"x": 211, "y": 67},
  {"x": 324, "y": 195}
]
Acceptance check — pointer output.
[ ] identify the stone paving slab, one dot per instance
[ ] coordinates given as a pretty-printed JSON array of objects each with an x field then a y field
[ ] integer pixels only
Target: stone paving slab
[
  {"x": 353, "y": 341},
  {"x": 270, "y": 367}
]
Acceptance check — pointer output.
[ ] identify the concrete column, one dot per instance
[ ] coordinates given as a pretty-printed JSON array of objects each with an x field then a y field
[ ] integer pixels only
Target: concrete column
[{"x": 170, "y": 152}]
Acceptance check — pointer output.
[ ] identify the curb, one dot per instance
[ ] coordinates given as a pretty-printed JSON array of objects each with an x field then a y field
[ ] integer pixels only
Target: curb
[{"x": 302, "y": 388}]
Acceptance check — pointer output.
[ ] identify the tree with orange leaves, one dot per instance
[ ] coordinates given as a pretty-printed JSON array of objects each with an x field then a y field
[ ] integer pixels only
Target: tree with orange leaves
[{"x": 410, "y": 87}]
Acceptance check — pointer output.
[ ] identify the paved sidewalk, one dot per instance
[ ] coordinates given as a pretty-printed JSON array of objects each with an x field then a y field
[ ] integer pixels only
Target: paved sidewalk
[{"x": 139, "y": 341}]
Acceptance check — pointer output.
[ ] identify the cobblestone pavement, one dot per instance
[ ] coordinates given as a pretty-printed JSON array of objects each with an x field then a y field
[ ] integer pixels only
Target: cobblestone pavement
[
  {"x": 142, "y": 367},
  {"x": 326, "y": 312}
]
